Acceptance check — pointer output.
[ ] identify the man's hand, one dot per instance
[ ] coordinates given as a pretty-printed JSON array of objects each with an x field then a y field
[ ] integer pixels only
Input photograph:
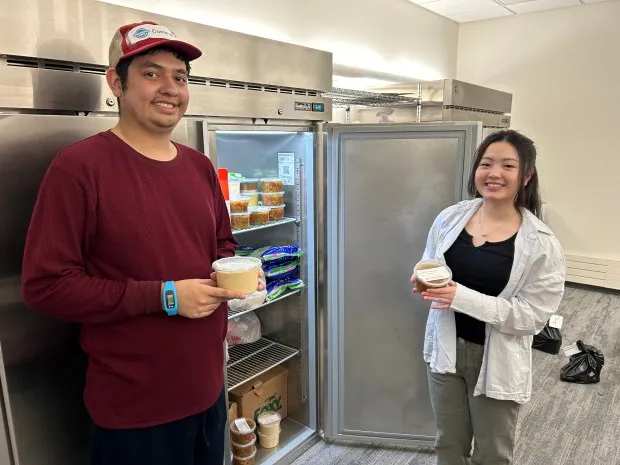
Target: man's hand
[{"x": 201, "y": 297}]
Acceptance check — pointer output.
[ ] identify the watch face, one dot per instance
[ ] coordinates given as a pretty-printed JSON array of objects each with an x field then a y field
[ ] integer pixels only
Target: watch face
[{"x": 169, "y": 299}]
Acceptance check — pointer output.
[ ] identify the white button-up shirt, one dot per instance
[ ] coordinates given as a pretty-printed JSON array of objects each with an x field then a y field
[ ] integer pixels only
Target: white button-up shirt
[{"x": 532, "y": 295}]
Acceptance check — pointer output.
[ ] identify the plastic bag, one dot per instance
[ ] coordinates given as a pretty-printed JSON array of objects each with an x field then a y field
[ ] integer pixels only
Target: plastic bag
[
  {"x": 549, "y": 340},
  {"x": 243, "y": 329},
  {"x": 584, "y": 367},
  {"x": 251, "y": 302},
  {"x": 282, "y": 271},
  {"x": 276, "y": 288}
]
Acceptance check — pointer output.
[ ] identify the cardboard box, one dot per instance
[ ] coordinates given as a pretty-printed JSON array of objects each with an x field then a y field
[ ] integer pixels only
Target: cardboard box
[
  {"x": 233, "y": 412},
  {"x": 266, "y": 393}
]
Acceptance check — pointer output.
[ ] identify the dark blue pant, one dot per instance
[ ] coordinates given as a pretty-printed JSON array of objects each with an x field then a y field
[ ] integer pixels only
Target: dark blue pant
[{"x": 195, "y": 440}]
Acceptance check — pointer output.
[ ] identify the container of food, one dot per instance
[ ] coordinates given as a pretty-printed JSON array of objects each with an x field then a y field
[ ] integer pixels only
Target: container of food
[
  {"x": 239, "y": 221},
  {"x": 272, "y": 185},
  {"x": 243, "y": 451},
  {"x": 269, "y": 423},
  {"x": 271, "y": 199},
  {"x": 239, "y": 204},
  {"x": 234, "y": 188},
  {"x": 245, "y": 435},
  {"x": 276, "y": 213},
  {"x": 245, "y": 461},
  {"x": 252, "y": 198},
  {"x": 269, "y": 442},
  {"x": 431, "y": 273},
  {"x": 249, "y": 185},
  {"x": 238, "y": 274},
  {"x": 259, "y": 216}
]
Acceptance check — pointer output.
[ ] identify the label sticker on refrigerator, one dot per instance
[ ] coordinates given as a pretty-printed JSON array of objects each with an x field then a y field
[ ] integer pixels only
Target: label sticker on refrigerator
[{"x": 286, "y": 168}]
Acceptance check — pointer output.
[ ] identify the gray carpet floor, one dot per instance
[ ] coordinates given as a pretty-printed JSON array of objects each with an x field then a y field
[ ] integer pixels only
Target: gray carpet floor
[{"x": 563, "y": 424}]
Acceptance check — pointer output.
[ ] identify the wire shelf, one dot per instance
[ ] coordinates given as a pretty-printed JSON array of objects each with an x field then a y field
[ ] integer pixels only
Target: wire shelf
[
  {"x": 269, "y": 225},
  {"x": 247, "y": 361},
  {"x": 350, "y": 97},
  {"x": 236, "y": 313}
]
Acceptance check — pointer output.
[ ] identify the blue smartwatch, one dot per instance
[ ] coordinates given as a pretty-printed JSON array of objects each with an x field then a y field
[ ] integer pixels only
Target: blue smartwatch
[{"x": 169, "y": 299}]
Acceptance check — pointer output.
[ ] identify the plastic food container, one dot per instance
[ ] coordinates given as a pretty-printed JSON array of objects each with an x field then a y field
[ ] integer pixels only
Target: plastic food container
[
  {"x": 252, "y": 198},
  {"x": 272, "y": 198},
  {"x": 238, "y": 274},
  {"x": 239, "y": 205},
  {"x": 245, "y": 461},
  {"x": 259, "y": 216},
  {"x": 242, "y": 438},
  {"x": 431, "y": 273},
  {"x": 234, "y": 188},
  {"x": 272, "y": 185},
  {"x": 276, "y": 213},
  {"x": 249, "y": 185},
  {"x": 239, "y": 221},
  {"x": 244, "y": 451},
  {"x": 269, "y": 442},
  {"x": 269, "y": 423}
]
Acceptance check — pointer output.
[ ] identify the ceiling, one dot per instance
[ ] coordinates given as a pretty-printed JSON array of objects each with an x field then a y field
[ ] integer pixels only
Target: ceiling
[{"x": 463, "y": 11}]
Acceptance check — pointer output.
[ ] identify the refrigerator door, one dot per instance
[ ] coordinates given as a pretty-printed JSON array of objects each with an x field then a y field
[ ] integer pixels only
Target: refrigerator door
[
  {"x": 385, "y": 185},
  {"x": 43, "y": 367}
]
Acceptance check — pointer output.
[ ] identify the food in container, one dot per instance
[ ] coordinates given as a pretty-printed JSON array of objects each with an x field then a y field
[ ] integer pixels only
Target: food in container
[
  {"x": 431, "y": 273},
  {"x": 259, "y": 216},
  {"x": 237, "y": 274},
  {"x": 272, "y": 185},
  {"x": 239, "y": 205},
  {"x": 239, "y": 221},
  {"x": 252, "y": 198},
  {"x": 269, "y": 423},
  {"x": 269, "y": 442},
  {"x": 272, "y": 198},
  {"x": 234, "y": 188},
  {"x": 249, "y": 185},
  {"x": 242, "y": 431},
  {"x": 276, "y": 213},
  {"x": 245, "y": 461},
  {"x": 242, "y": 451}
]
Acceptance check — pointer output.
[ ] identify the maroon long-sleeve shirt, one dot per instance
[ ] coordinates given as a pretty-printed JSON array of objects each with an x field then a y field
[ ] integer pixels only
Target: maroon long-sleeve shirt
[{"x": 108, "y": 227}]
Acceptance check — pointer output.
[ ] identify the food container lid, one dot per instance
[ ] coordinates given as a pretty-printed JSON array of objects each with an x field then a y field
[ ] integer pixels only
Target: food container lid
[
  {"x": 271, "y": 180},
  {"x": 439, "y": 272},
  {"x": 243, "y": 446},
  {"x": 249, "y": 180},
  {"x": 269, "y": 418},
  {"x": 240, "y": 214},
  {"x": 267, "y": 194},
  {"x": 237, "y": 264},
  {"x": 245, "y": 458},
  {"x": 238, "y": 198},
  {"x": 273, "y": 207},
  {"x": 259, "y": 209},
  {"x": 249, "y": 193}
]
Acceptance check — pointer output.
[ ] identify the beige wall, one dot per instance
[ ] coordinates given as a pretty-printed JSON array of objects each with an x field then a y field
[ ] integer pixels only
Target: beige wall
[{"x": 563, "y": 68}]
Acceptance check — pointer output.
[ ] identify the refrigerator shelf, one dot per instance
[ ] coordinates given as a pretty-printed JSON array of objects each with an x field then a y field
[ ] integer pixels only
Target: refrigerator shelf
[
  {"x": 247, "y": 361},
  {"x": 269, "y": 225},
  {"x": 235, "y": 313}
]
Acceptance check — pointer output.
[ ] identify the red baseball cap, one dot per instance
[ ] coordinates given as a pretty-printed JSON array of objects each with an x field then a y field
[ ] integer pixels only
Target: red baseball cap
[{"x": 135, "y": 38}]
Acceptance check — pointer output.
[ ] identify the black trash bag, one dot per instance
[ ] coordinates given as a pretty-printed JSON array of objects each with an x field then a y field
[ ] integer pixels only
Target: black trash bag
[
  {"x": 549, "y": 340},
  {"x": 584, "y": 367}
]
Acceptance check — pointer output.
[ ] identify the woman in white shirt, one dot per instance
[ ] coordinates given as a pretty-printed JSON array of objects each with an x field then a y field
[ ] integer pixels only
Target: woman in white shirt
[{"x": 508, "y": 279}]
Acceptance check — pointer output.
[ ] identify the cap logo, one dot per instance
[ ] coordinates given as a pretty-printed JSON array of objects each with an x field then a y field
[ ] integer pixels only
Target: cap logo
[{"x": 143, "y": 32}]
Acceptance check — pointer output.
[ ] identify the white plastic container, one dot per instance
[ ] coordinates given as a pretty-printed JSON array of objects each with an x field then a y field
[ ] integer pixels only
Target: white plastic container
[
  {"x": 237, "y": 273},
  {"x": 431, "y": 273}
]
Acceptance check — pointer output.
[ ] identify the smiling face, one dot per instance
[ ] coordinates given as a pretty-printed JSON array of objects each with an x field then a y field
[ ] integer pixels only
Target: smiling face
[
  {"x": 497, "y": 176},
  {"x": 155, "y": 95}
]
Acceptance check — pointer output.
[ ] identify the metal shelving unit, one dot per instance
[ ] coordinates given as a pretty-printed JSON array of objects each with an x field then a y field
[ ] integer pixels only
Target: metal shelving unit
[
  {"x": 247, "y": 361},
  {"x": 235, "y": 313},
  {"x": 350, "y": 97},
  {"x": 273, "y": 224}
]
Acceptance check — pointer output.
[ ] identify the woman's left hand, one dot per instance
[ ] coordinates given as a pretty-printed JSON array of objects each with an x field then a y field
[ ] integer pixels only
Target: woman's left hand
[{"x": 442, "y": 296}]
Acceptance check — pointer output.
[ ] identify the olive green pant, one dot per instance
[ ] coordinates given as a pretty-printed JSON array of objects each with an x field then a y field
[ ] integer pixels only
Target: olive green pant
[{"x": 461, "y": 417}]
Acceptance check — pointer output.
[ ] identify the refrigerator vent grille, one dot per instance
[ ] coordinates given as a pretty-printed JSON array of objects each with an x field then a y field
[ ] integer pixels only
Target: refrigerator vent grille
[
  {"x": 475, "y": 110},
  {"x": 56, "y": 65}
]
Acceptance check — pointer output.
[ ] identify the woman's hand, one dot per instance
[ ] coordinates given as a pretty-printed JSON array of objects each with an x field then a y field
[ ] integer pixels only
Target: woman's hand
[{"x": 442, "y": 296}]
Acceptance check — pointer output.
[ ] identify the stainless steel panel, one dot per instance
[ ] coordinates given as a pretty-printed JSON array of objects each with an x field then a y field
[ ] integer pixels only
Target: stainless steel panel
[
  {"x": 464, "y": 94},
  {"x": 387, "y": 183},
  {"x": 487, "y": 119},
  {"x": 44, "y": 89},
  {"x": 433, "y": 92},
  {"x": 384, "y": 115},
  {"x": 43, "y": 365},
  {"x": 81, "y": 30},
  {"x": 5, "y": 452}
]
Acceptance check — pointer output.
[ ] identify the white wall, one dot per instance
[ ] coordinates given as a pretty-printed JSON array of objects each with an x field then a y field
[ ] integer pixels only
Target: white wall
[
  {"x": 392, "y": 38},
  {"x": 563, "y": 68}
]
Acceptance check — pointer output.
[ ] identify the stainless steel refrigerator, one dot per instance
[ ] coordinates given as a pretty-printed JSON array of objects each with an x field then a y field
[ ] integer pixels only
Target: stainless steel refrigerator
[{"x": 359, "y": 201}]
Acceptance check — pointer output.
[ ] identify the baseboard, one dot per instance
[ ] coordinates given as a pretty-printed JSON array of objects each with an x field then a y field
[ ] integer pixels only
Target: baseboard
[{"x": 594, "y": 271}]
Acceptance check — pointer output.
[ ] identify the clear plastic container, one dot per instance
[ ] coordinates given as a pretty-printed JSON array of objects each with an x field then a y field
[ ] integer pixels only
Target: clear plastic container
[
  {"x": 242, "y": 438},
  {"x": 245, "y": 461},
  {"x": 276, "y": 213},
  {"x": 431, "y": 273},
  {"x": 268, "y": 442},
  {"x": 259, "y": 216},
  {"x": 237, "y": 274},
  {"x": 252, "y": 198},
  {"x": 239, "y": 221},
  {"x": 239, "y": 204},
  {"x": 269, "y": 423},
  {"x": 248, "y": 185},
  {"x": 270, "y": 199},
  {"x": 243, "y": 451},
  {"x": 272, "y": 185}
]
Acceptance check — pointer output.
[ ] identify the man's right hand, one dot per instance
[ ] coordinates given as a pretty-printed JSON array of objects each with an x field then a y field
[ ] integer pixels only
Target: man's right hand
[{"x": 201, "y": 297}]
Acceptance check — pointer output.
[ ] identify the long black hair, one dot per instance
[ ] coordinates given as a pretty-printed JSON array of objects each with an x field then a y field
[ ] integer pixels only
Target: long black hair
[{"x": 528, "y": 196}]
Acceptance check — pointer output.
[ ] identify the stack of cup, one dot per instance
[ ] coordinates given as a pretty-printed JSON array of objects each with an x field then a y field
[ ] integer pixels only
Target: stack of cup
[
  {"x": 243, "y": 441},
  {"x": 269, "y": 429}
]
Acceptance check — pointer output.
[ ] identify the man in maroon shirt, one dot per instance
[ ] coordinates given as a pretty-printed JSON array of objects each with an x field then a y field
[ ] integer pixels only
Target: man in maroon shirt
[{"x": 122, "y": 238}]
